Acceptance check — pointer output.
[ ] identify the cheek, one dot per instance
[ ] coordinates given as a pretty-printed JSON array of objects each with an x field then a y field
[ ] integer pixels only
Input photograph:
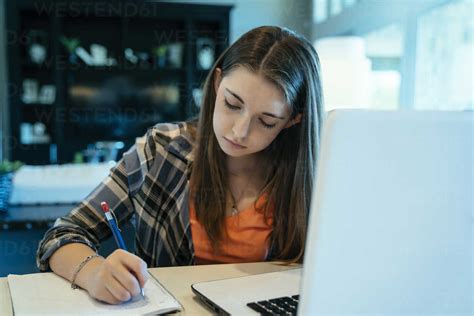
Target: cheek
[
  {"x": 222, "y": 119},
  {"x": 263, "y": 139},
  {"x": 217, "y": 119}
]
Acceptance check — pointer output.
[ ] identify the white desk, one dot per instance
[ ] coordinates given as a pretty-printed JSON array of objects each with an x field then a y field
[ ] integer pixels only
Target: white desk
[{"x": 178, "y": 281}]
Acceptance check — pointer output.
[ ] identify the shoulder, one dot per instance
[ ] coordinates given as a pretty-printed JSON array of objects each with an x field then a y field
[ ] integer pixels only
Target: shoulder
[
  {"x": 164, "y": 133},
  {"x": 178, "y": 138}
]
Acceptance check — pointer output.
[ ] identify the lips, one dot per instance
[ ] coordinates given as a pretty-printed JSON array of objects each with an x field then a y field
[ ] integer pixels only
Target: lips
[{"x": 234, "y": 143}]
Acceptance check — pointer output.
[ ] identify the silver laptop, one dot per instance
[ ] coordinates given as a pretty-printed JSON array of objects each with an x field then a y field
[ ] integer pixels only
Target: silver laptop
[{"x": 390, "y": 230}]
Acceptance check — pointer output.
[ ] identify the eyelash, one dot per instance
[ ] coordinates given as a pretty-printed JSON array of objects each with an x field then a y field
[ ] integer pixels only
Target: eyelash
[{"x": 235, "y": 108}]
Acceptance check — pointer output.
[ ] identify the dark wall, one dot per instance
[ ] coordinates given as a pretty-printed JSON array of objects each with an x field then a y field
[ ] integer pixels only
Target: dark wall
[{"x": 3, "y": 84}]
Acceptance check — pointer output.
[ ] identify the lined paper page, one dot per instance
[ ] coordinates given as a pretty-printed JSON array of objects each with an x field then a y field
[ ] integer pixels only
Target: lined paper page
[{"x": 49, "y": 294}]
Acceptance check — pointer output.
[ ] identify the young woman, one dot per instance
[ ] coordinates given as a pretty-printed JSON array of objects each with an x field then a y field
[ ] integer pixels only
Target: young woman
[{"x": 232, "y": 186}]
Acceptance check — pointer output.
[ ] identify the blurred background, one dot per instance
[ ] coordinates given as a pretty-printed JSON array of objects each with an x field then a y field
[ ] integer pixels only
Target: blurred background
[{"x": 80, "y": 80}]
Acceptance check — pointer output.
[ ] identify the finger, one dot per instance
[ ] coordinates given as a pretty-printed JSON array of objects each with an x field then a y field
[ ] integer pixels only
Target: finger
[
  {"x": 117, "y": 290},
  {"x": 104, "y": 295},
  {"x": 136, "y": 266},
  {"x": 127, "y": 279},
  {"x": 107, "y": 297}
]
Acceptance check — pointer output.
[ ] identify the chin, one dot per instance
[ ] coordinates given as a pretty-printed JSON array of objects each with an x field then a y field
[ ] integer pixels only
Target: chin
[
  {"x": 232, "y": 152},
  {"x": 235, "y": 155}
]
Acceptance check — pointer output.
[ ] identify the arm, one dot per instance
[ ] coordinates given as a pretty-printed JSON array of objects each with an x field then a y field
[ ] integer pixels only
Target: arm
[
  {"x": 86, "y": 224},
  {"x": 79, "y": 234}
]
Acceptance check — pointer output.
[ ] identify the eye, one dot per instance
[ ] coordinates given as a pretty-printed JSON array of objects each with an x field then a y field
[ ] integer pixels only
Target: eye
[
  {"x": 267, "y": 125},
  {"x": 230, "y": 106},
  {"x": 236, "y": 108}
]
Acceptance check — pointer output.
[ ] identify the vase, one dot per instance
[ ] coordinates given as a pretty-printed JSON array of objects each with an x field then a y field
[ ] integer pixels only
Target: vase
[{"x": 6, "y": 181}]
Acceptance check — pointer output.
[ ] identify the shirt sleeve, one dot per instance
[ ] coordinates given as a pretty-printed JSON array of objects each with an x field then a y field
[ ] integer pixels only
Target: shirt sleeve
[{"x": 86, "y": 223}]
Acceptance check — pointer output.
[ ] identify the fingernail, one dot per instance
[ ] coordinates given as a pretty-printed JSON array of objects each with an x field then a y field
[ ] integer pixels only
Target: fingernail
[{"x": 142, "y": 291}]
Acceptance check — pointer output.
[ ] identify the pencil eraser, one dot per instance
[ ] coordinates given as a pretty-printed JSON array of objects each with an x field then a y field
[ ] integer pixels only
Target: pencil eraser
[{"x": 105, "y": 206}]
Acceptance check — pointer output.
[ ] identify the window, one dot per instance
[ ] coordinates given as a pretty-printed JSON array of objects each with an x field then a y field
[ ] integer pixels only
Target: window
[
  {"x": 336, "y": 7},
  {"x": 420, "y": 52},
  {"x": 320, "y": 10},
  {"x": 362, "y": 71},
  {"x": 384, "y": 49},
  {"x": 444, "y": 58}
]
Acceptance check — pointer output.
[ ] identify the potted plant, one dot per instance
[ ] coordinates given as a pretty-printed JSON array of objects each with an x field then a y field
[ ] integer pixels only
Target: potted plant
[
  {"x": 7, "y": 169},
  {"x": 70, "y": 44}
]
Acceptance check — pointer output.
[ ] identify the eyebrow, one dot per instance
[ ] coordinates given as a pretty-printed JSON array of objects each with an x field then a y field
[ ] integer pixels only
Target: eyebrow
[{"x": 242, "y": 101}]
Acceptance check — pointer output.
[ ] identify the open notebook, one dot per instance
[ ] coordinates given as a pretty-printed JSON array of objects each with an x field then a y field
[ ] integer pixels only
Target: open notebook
[{"x": 49, "y": 294}]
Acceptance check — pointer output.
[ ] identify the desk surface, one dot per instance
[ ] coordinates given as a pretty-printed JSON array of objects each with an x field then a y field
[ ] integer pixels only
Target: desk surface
[{"x": 178, "y": 281}]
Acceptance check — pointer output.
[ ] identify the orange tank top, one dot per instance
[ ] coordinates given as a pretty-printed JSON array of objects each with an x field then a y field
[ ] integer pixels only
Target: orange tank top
[{"x": 246, "y": 240}]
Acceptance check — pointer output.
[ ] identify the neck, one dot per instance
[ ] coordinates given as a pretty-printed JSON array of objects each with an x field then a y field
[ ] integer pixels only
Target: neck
[{"x": 242, "y": 166}]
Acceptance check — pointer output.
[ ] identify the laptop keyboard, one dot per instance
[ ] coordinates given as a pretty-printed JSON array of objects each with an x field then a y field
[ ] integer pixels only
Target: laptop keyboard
[{"x": 278, "y": 306}]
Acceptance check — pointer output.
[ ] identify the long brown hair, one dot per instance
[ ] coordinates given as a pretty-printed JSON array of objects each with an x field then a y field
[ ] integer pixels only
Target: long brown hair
[{"x": 291, "y": 63}]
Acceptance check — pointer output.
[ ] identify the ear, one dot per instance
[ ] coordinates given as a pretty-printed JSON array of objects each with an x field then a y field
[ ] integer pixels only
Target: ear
[
  {"x": 217, "y": 79},
  {"x": 294, "y": 121}
]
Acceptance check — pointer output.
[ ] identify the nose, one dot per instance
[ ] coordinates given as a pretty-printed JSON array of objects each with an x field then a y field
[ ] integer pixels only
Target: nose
[{"x": 241, "y": 127}]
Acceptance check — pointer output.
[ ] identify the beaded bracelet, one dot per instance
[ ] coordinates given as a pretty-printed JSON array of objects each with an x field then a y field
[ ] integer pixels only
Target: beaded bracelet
[{"x": 79, "y": 268}]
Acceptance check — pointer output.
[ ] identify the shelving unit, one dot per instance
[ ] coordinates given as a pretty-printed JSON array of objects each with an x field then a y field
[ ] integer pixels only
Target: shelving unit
[{"x": 118, "y": 99}]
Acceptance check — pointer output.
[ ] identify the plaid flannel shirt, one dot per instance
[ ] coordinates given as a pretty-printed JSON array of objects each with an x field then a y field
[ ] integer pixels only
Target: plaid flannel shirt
[{"x": 150, "y": 182}]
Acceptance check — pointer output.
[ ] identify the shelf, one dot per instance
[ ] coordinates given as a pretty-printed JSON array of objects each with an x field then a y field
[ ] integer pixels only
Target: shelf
[
  {"x": 151, "y": 93},
  {"x": 45, "y": 115},
  {"x": 36, "y": 145},
  {"x": 37, "y": 67},
  {"x": 40, "y": 146},
  {"x": 35, "y": 105},
  {"x": 34, "y": 154},
  {"x": 125, "y": 69}
]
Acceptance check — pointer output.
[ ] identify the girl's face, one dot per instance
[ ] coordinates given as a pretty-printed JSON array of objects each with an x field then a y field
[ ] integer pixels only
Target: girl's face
[{"x": 249, "y": 112}]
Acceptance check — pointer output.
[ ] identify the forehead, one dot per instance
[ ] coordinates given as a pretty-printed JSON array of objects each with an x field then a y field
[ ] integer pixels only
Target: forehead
[{"x": 256, "y": 91}]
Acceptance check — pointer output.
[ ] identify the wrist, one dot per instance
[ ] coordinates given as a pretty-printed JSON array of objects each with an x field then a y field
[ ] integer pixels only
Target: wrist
[{"x": 86, "y": 273}]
